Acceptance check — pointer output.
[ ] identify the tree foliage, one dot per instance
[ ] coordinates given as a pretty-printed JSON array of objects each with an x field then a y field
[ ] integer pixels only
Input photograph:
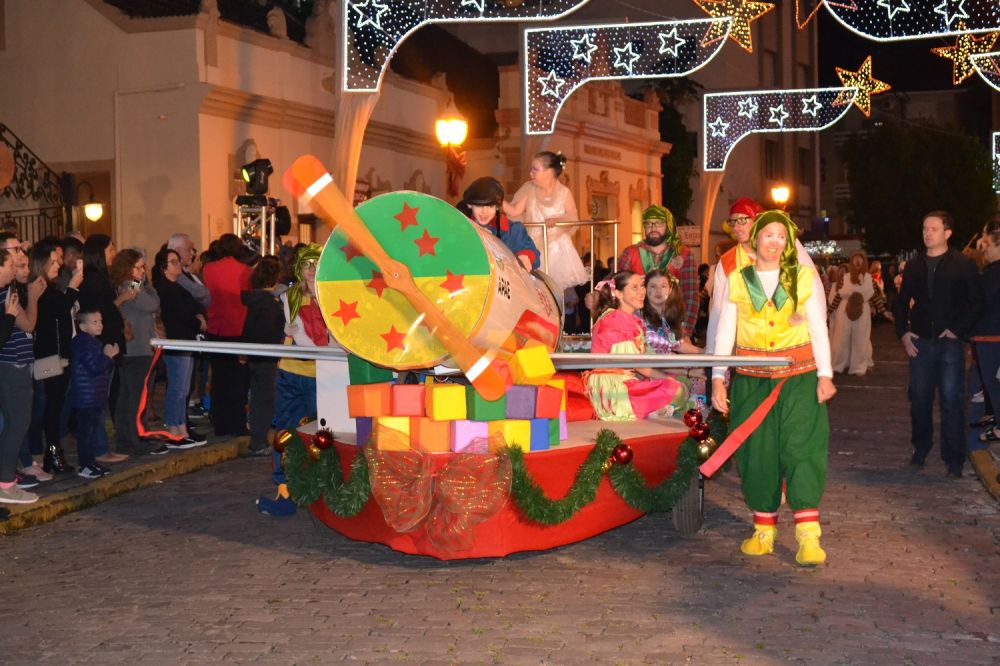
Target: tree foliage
[
  {"x": 899, "y": 172},
  {"x": 677, "y": 166}
]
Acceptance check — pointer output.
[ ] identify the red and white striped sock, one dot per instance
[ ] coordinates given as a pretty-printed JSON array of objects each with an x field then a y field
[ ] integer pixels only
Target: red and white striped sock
[
  {"x": 806, "y": 516},
  {"x": 761, "y": 518}
]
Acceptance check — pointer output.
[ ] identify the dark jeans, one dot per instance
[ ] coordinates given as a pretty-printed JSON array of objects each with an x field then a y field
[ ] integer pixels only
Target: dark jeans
[
  {"x": 988, "y": 360},
  {"x": 16, "y": 389},
  {"x": 938, "y": 366},
  {"x": 89, "y": 424},
  {"x": 262, "y": 376}
]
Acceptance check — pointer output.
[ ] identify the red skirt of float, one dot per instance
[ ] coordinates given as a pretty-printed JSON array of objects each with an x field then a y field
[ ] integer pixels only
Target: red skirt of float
[{"x": 510, "y": 531}]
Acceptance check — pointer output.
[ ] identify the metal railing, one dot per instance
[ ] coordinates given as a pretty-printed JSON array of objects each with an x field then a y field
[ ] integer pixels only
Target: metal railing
[{"x": 35, "y": 223}]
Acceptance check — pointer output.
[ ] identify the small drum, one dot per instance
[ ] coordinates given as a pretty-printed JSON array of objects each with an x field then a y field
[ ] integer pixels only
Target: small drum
[{"x": 465, "y": 271}]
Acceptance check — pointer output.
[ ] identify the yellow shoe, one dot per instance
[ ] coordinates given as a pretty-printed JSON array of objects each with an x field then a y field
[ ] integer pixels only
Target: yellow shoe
[
  {"x": 761, "y": 542},
  {"x": 810, "y": 553}
]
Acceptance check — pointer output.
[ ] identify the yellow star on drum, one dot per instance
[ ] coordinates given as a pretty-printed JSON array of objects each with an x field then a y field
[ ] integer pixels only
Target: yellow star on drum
[
  {"x": 966, "y": 46},
  {"x": 742, "y": 12},
  {"x": 865, "y": 84}
]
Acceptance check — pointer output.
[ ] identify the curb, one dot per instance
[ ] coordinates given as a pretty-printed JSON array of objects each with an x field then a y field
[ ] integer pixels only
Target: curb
[
  {"x": 50, "y": 507},
  {"x": 986, "y": 467}
]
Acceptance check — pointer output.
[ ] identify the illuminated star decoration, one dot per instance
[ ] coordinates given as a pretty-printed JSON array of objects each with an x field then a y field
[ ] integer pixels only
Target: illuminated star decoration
[
  {"x": 743, "y": 13},
  {"x": 951, "y": 10},
  {"x": 583, "y": 48},
  {"x": 810, "y": 106},
  {"x": 961, "y": 53},
  {"x": 626, "y": 57},
  {"x": 865, "y": 84},
  {"x": 369, "y": 13},
  {"x": 478, "y": 4},
  {"x": 719, "y": 127},
  {"x": 988, "y": 66},
  {"x": 803, "y": 110},
  {"x": 551, "y": 84},
  {"x": 808, "y": 8},
  {"x": 893, "y": 20},
  {"x": 557, "y": 61},
  {"x": 374, "y": 29},
  {"x": 748, "y": 107},
  {"x": 778, "y": 115},
  {"x": 670, "y": 42},
  {"x": 894, "y": 7}
]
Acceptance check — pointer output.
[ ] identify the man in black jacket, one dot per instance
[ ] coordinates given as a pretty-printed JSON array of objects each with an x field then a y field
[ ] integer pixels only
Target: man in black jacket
[{"x": 937, "y": 307}]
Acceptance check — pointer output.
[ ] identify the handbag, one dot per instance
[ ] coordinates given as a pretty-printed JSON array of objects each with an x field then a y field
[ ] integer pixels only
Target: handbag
[{"x": 49, "y": 366}]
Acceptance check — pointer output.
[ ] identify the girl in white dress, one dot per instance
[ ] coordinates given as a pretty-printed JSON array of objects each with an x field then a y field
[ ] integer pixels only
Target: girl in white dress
[
  {"x": 544, "y": 199},
  {"x": 851, "y": 343}
]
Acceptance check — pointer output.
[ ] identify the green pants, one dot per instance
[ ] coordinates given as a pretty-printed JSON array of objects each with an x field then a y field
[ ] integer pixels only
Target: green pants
[{"x": 791, "y": 443}]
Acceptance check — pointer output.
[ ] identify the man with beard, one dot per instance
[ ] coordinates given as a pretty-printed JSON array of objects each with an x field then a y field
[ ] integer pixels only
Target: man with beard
[{"x": 661, "y": 249}]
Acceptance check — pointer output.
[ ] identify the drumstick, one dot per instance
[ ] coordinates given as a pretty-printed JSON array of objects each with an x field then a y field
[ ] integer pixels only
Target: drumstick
[{"x": 307, "y": 175}]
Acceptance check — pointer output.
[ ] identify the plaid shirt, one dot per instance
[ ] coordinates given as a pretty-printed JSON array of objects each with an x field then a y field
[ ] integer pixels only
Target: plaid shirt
[{"x": 687, "y": 275}]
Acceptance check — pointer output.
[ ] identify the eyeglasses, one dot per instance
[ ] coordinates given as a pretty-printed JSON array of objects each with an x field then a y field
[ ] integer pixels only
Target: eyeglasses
[
  {"x": 173, "y": 262},
  {"x": 309, "y": 263},
  {"x": 741, "y": 219},
  {"x": 654, "y": 223}
]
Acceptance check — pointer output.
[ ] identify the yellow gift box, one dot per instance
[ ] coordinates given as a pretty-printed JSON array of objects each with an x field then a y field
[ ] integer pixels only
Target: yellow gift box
[
  {"x": 516, "y": 432},
  {"x": 445, "y": 402},
  {"x": 532, "y": 365}
]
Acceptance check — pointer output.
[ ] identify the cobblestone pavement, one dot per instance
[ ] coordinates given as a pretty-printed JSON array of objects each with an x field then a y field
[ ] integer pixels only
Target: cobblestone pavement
[{"x": 187, "y": 572}]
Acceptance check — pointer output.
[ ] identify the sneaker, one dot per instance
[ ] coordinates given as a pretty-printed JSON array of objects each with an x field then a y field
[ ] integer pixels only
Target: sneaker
[
  {"x": 91, "y": 471},
  {"x": 159, "y": 450},
  {"x": 259, "y": 453},
  {"x": 186, "y": 443},
  {"x": 25, "y": 481},
  {"x": 101, "y": 468},
  {"x": 36, "y": 471},
  {"x": 195, "y": 435},
  {"x": 977, "y": 397},
  {"x": 15, "y": 495}
]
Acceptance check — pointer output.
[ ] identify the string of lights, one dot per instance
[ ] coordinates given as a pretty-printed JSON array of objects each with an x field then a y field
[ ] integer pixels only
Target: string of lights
[
  {"x": 374, "y": 29},
  {"x": 557, "y": 61},
  {"x": 894, "y": 20},
  {"x": 988, "y": 67}
]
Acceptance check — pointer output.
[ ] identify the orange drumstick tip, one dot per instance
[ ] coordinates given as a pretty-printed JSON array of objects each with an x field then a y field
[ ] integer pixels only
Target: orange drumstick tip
[{"x": 304, "y": 171}]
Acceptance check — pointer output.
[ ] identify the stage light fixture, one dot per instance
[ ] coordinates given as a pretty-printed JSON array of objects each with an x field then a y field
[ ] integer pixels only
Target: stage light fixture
[{"x": 255, "y": 175}]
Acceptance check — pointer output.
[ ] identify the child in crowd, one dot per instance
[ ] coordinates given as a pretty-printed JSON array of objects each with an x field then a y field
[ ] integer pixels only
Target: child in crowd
[
  {"x": 626, "y": 395},
  {"x": 91, "y": 364},
  {"x": 663, "y": 314},
  {"x": 482, "y": 202},
  {"x": 265, "y": 324}
]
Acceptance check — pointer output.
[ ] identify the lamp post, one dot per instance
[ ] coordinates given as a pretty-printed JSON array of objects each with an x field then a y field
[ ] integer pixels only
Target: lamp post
[
  {"x": 451, "y": 129},
  {"x": 780, "y": 195}
]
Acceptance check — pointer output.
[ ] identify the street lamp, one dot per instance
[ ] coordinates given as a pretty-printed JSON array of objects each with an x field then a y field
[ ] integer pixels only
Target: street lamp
[
  {"x": 780, "y": 195},
  {"x": 451, "y": 129},
  {"x": 93, "y": 210}
]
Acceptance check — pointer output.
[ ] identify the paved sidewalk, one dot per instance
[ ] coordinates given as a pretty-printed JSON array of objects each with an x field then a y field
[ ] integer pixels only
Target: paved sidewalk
[{"x": 187, "y": 572}]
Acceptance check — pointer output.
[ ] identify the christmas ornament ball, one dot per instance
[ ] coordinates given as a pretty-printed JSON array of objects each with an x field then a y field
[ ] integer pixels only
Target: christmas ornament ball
[
  {"x": 622, "y": 454},
  {"x": 323, "y": 439},
  {"x": 692, "y": 417}
]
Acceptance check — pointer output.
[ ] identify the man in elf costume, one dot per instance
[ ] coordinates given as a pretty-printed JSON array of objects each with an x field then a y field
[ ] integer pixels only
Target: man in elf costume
[
  {"x": 661, "y": 249},
  {"x": 771, "y": 308}
]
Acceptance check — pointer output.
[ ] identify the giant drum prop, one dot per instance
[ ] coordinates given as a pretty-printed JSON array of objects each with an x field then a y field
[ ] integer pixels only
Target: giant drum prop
[{"x": 465, "y": 271}]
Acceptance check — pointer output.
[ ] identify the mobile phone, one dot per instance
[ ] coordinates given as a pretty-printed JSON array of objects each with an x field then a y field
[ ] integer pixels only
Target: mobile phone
[{"x": 134, "y": 284}]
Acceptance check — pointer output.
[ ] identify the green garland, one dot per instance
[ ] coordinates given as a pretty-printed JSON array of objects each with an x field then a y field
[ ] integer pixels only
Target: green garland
[{"x": 310, "y": 480}]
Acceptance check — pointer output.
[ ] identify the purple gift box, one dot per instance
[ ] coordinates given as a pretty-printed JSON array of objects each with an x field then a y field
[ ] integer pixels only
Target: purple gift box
[{"x": 521, "y": 402}]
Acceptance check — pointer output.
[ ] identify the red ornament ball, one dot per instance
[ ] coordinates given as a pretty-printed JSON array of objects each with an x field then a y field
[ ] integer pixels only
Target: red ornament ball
[
  {"x": 622, "y": 454},
  {"x": 701, "y": 431},
  {"x": 281, "y": 440},
  {"x": 323, "y": 439},
  {"x": 692, "y": 417}
]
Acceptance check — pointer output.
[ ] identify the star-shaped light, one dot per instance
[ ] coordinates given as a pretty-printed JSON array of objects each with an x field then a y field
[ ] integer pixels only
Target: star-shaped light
[
  {"x": 810, "y": 106},
  {"x": 407, "y": 217},
  {"x": 742, "y": 13},
  {"x": 369, "y": 13},
  {"x": 748, "y": 107},
  {"x": 551, "y": 84},
  {"x": 347, "y": 312},
  {"x": 951, "y": 10},
  {"x": 864, "y": 82},
  {"x": 583, "y": 48},
  {"x": 808, "y": 8},
  {"x": 719, "y": 127},
  {"x": 350, "y": 252},
  {"x": 453, "y": 282},
  {"x": 894, "y": 7},
  {"x": 670, "y": 42},
  {"x": 426, "y": 244},
  {"x": 778, "y": 115},
  {"x": 961, "y": 53},
  {"x": 625, "y": 57},
  {"x": 393, "y": 339},
  {"x": 377, "y": 283},
  {"x": 478, "y": 4}
]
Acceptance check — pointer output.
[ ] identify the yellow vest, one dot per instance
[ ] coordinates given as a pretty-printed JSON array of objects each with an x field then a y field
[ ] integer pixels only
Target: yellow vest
[{"x": 769, "y": 326}]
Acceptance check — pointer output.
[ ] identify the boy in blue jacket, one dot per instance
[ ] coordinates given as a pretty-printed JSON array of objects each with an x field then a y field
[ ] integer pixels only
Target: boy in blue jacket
[
  {"x": 90, "y": 365},
  {"x": 482, "y": 202}
]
